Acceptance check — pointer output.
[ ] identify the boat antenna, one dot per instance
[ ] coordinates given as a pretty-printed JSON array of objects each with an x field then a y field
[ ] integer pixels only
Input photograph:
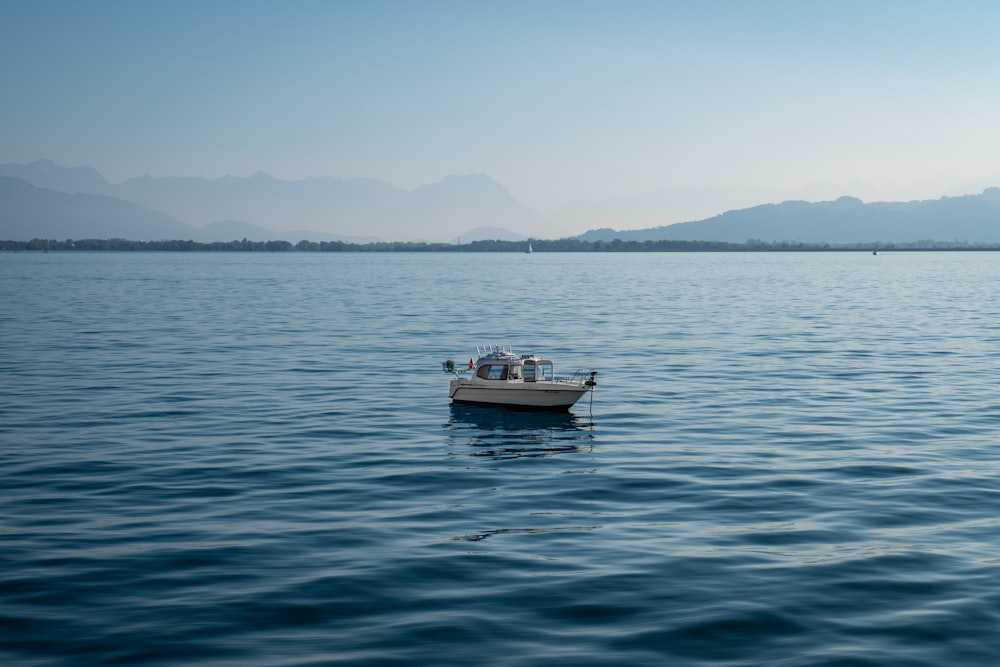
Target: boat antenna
[{"x": 592, "y": 383}]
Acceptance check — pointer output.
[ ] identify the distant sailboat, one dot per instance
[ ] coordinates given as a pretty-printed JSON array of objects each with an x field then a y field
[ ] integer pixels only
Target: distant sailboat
[{"x": 528, "y": 251}]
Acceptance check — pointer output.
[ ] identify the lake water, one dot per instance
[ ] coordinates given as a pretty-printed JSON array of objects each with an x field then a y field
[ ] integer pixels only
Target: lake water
[{"x": 250, "y": 459}]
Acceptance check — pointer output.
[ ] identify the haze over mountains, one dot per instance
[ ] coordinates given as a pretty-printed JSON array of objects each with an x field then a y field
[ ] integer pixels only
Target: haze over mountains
[
  {"x": 966, "y": 219},
  {"x": 261, "y": 207},
  {"x": 45, "y": 200}
]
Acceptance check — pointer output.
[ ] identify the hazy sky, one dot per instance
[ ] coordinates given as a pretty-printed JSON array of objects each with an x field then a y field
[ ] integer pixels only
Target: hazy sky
[{"x": 558, "y": 101}]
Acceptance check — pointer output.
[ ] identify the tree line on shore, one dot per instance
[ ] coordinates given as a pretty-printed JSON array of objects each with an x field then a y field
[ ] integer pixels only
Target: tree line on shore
[{"x": 560, "y": 245}]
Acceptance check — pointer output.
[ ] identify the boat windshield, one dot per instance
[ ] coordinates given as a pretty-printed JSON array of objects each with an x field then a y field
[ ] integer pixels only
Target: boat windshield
[
  {"x": 492, "y": 372},
  {"x": 545, "y": 371}
]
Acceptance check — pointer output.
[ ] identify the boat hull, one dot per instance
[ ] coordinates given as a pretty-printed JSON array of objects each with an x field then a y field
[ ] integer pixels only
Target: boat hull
[{"x": 543, "y": 396}]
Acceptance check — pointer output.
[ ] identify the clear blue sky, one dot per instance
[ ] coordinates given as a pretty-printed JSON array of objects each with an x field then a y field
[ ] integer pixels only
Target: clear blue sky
[{"x": 555, "y": 100}]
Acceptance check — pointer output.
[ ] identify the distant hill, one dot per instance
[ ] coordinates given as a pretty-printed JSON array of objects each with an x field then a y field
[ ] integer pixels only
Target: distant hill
[
  {"x": 325, "y": 208},
  {"x": 51, "y": 176},
  {"x": 488, "y": 234},
  {"x": 970, "y": 218},
  {"x": 462, "y": 204},
  {"x": 78, "y": 202},
  {"x": 264, "y": 201},
  {"x": 27, "y": 212},
  {"x": 234, "y": 230}
]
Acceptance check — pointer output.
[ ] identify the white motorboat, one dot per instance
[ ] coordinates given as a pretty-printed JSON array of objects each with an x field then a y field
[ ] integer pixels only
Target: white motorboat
[{"x": 526, "y": 382}]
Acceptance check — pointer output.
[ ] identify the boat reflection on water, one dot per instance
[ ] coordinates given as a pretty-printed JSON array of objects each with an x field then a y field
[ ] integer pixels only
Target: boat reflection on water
[{"x": 506, "y": 434}]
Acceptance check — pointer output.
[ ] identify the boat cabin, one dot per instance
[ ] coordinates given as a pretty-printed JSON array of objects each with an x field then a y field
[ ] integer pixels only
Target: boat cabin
[
  {"x": 508, "y": 367},
  {"x": 505, "y": 366}
]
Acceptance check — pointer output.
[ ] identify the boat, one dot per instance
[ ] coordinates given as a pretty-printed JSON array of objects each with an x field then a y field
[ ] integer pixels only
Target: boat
[{"x": 500, "y": 378}]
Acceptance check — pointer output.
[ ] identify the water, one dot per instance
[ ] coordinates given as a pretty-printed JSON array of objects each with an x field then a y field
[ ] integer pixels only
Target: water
[{"x": 242, "y": 459}]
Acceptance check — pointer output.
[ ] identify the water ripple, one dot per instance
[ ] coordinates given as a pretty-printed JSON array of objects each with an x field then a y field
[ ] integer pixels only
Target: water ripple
[{"x": 250, "y": 460}]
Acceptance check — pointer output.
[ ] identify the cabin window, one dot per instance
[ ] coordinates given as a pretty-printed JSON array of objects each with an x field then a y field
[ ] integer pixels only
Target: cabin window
[
  {"x": 515, "y": 373},
  {"x": 529, "y": 371},
  {"x": 545, "y": 371},
  {"x": 492, "y": 372}
]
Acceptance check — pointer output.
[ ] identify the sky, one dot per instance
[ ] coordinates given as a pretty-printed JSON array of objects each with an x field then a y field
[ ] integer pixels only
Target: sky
[{"x": 557, "y": 101}]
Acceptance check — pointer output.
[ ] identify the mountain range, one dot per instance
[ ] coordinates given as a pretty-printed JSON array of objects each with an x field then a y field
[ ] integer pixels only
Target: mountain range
[
  {"x": 847, "y": 220},
  {"x": 259, "y": 207},
  {"x": 42, "y": 199}
]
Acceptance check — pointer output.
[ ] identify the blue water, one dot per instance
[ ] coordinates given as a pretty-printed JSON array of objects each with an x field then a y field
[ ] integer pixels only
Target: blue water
[{"x": 250, "y": 459}]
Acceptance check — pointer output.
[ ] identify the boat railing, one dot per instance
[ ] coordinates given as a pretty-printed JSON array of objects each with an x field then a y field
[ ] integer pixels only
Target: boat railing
[
  {"x": 586, "y": 377},
  {"x": 483, "y": 350}
]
